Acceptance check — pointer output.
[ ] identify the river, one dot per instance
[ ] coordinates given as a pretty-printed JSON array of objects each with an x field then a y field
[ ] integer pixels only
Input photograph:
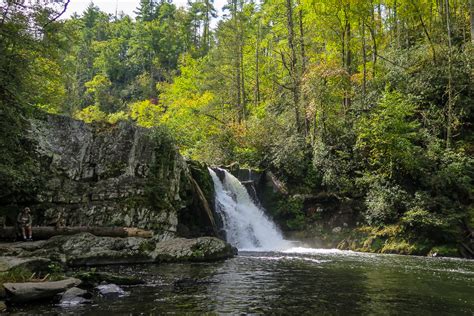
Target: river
[
  {"x": 302, "y": 281},
  {"x": 272, "y": 275}
]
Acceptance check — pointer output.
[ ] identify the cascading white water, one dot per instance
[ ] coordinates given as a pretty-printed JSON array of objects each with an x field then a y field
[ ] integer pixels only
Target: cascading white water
[{"x": 246, "y": 225}]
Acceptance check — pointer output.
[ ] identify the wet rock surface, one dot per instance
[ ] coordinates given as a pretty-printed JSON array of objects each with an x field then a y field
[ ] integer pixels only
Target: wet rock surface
[
  {"x": 111, "y": 290},
  {"x": 199, "y": 249},
  {"x": 33, "y": 291},
  {"x": 93, "y": 278},
  {"x": 88, "y": 250},
  {"x": 75, "y": 296}
]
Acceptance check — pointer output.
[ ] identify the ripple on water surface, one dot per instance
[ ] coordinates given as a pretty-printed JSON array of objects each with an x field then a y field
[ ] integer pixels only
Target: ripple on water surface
[{"x": 295, "y": 281}]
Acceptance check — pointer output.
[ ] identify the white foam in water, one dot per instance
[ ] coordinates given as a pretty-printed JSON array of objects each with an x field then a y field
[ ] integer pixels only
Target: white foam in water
[
  {"x": 303, "y": 250},
  {"x": 246, "y": 225}
]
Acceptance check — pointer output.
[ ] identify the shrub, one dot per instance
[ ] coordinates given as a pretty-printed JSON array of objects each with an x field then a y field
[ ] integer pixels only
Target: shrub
[
  {"x": 145, "y": 113},
  {"x": 384, "y": 202},
  {"x": 113, "y": 118},
  {"x": 90, "y": 114}
]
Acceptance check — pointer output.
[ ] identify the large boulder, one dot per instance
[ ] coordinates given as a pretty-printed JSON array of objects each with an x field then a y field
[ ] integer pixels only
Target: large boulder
[
  {"x": 198, "y": 249},
  {"x": 33, "y": 263},
  {"x": 33, "y": 291},
  {"x": 85, "y": 249}
]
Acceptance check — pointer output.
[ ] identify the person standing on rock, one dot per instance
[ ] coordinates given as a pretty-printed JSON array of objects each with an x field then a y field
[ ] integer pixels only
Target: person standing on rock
[{"x": 24, "y": 221}]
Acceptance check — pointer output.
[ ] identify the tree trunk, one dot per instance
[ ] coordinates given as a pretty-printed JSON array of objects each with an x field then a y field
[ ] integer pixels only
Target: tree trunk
[
  {"x": 449, "y": 114},
  {"x": 46, "y": 232},
  {"x": 347, "y": 58},
  {"x": 364, "y": 64},
  {"x": 471, "y": 13},
  {"x": 293, "y": 63},
  {"x": 242, "y": 76},
  {"x": 303, "y": 70},
  {"x": 257, "y": 66}
]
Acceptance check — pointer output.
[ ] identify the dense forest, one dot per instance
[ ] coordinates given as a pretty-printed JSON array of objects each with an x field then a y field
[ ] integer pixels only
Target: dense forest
[{"x": 368, "y": 100}]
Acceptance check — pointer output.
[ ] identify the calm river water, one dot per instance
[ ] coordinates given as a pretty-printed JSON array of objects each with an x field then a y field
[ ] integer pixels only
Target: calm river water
[{"x": 302, "y": 281}]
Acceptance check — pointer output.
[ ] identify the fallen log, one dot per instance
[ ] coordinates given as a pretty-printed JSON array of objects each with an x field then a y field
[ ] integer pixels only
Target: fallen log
[{"x": 46, "y": 232}]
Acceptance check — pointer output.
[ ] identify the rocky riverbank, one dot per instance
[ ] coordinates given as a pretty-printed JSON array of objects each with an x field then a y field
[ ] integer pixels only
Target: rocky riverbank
[
  {"x": 88, "y": 250},
  {"x": 61, "y": 253}
]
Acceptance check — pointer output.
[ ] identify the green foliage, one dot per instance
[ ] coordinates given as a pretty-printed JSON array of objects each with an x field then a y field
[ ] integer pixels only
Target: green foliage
[
  {"x": 388, "y": 135},
  {"x": 384, "y": 201},
  {"x": 289, "y": 157},
  {"x": 145, "y": 113},
  {"x": 351, "y": 98},
  {"x": 91, "y": 114},
  {"x": 98, "y": 87},
  {"x": 444, "y": 251},
  {"x": 333, "y": 166},
  {"x": 16, "y": 275},
  {"x": 422, "y": 219},
  {"x": 114, "y": 118},
  {"x": 289, "y": 210}
]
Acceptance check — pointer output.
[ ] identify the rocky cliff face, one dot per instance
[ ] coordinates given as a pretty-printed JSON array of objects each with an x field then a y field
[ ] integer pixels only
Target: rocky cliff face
[{"x": 113, "y": 175}]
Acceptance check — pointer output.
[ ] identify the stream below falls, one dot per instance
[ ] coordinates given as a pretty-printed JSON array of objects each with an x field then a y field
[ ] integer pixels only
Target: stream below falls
[{"x": 299, "y": 281}]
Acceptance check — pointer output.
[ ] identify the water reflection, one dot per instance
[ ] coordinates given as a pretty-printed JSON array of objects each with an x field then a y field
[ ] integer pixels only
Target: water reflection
[{"x": 294, "y": 283}]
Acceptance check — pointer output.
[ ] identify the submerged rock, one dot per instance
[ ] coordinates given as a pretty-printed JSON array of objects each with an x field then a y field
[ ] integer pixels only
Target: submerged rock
[
  {"x": 33, "y": 291},
  {"x": 93, "y": 278},
  {"x": 75, "y": 296},
  {"x": 184, "y": 283},
  {"x": 111, "y": 290}
]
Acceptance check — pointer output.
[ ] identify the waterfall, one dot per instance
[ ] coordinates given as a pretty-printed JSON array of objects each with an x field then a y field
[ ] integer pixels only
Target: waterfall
[{"x": 246, "y": 225}]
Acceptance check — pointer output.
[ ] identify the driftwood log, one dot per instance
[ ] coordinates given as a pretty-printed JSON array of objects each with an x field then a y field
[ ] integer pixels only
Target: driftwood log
[{"x": 46, "y": 232}]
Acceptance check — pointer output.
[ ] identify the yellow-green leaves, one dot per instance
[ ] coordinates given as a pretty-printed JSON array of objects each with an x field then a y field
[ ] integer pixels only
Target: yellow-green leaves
[
  {"x": 90, "y": 114},
  {"x": 145, "y": 113}
]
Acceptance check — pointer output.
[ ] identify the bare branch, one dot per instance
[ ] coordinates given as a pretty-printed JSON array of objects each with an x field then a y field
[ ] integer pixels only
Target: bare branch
[{"x": 58, "y": 15}]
